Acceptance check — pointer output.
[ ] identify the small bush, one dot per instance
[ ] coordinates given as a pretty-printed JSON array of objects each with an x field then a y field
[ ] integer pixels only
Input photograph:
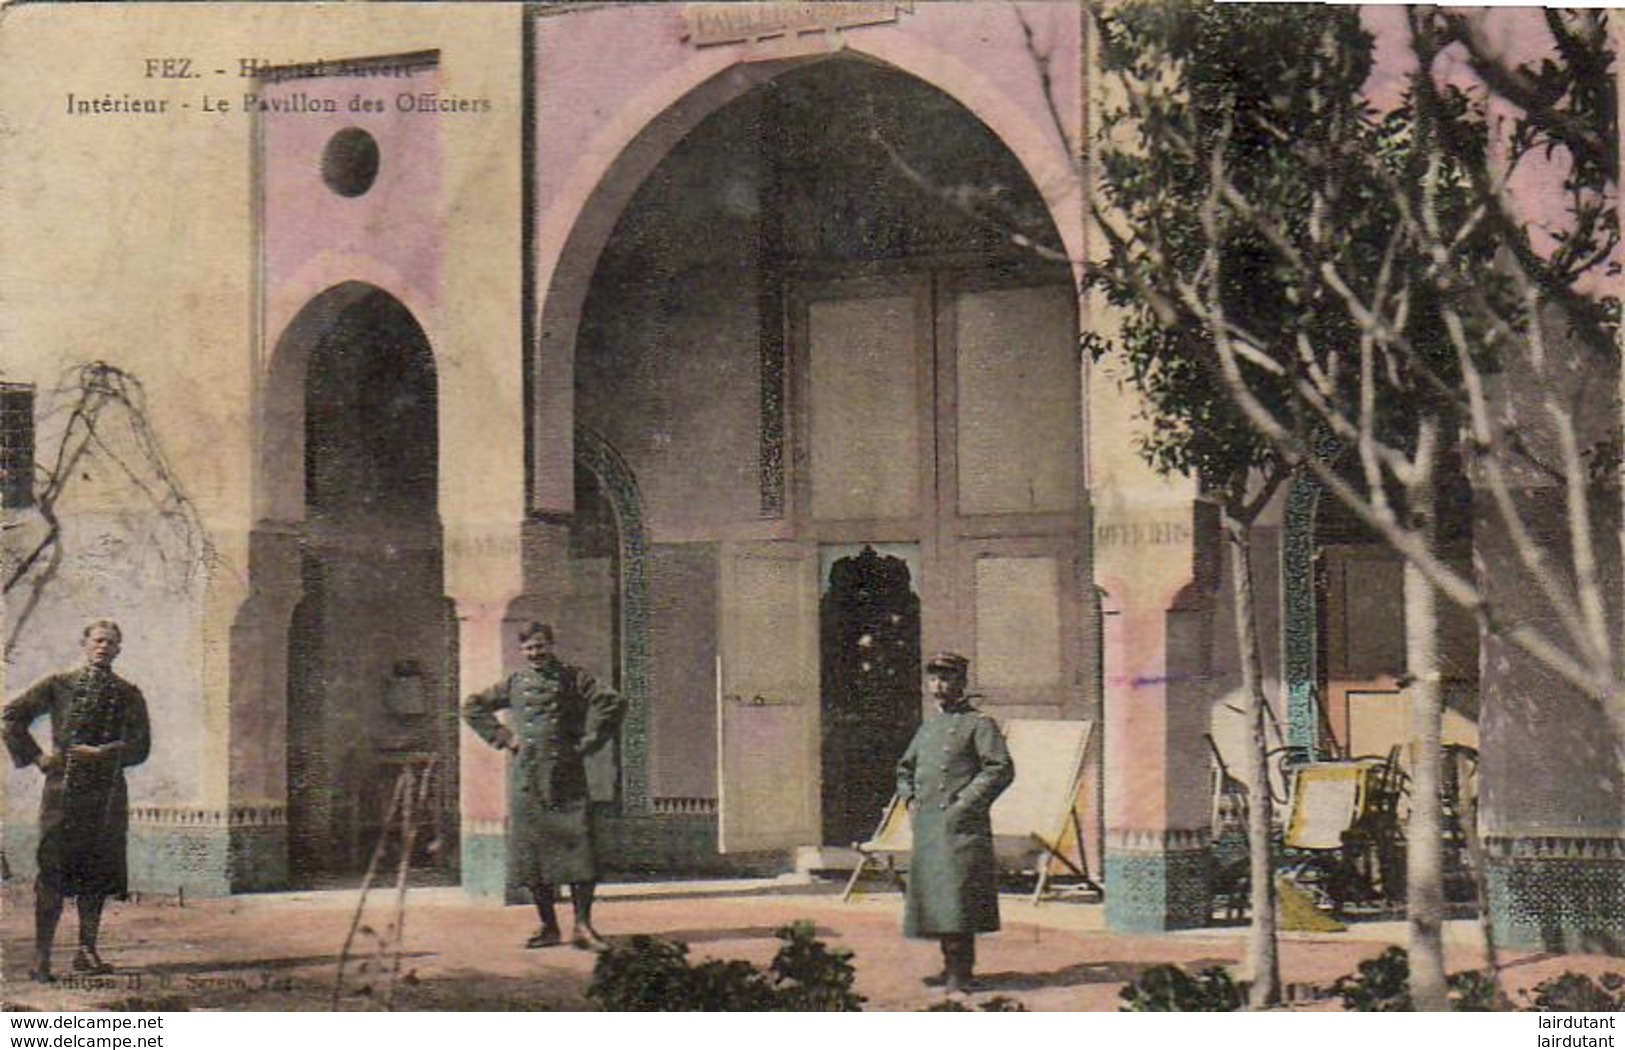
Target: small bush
[
  {"x": 1383, "y": 986},
  {"x": 1380, "y": 985},
  {"x": 1473, "y": 991},
  {"x": 1570, "y": 992},
  {"x": 644, "y": 974},
  {"x": 808, "y": 975},
  {"x": 650, "y": 974},
  {"x": 1168, "y": 988},
  {"x": 998, "y": 1004}
]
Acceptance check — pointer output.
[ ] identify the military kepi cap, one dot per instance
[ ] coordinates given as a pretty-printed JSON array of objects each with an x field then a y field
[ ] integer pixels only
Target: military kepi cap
[{"x": 950, "y": 662}]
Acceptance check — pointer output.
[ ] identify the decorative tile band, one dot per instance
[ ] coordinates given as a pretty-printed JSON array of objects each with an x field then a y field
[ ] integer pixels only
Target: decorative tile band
[
  {"x": 484, "y": 864},
  {"x": 771, "y": 436},
  {"x": 232, "y": 817},
  {"x": 1554, "y": 847},
  {"x": 1300, "y": 618},
  {"x": 679, "y": 807},
  {"x": 192, "y": 857},
  {"x": 1158, "y": 841},
  {"x": 1557, "y": 894}
]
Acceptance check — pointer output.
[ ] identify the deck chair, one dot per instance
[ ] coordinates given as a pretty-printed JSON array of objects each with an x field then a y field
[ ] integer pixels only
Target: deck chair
[
  {"x": 1045, "y": 810},
  {"x": 1327, "y": 798},
  {"x": 893, "y": 836},
  {"x": 1344, "y": 824}
]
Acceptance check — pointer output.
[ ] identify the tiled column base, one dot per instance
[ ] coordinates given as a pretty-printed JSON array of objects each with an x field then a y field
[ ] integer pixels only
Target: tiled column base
[
  {"x": 485, "y": 860},
  {"x": 1561, "y": 894},
  {"x": 1158, "y": 881}
]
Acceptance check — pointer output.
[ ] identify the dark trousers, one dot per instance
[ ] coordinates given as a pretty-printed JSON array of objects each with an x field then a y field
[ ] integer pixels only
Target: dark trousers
[
  {"x": 958, "y": 956},
  {"x": 581, "y": 895}
]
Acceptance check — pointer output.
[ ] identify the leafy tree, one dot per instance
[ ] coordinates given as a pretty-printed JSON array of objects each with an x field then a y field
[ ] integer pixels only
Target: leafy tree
[
  {"x": 1279, "y": 304},
  {"x": 1306, "y": 283},
  {"x": 1199, "y": 65}
]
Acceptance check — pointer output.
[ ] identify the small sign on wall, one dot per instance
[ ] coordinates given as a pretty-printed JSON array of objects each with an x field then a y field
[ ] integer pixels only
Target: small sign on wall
[{"x": 739, "y": 23}]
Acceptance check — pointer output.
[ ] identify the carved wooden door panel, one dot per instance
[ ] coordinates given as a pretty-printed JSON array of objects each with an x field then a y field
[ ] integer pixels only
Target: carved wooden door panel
[{"x": 767, "y": 699}]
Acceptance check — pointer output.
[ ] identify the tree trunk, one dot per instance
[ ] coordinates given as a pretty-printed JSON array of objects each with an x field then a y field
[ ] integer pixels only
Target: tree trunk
[
  {"x": 1263, "y": 956},
  {"x": 1424, "y": 874}
]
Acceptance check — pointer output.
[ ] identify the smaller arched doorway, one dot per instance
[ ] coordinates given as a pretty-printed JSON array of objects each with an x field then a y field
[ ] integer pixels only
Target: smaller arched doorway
[{"x": 370, "y": 677}]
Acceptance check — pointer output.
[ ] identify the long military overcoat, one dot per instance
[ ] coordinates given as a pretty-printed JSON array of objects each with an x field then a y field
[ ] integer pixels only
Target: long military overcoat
[
  {"x": 560, "y": 715},
  {"x": 84, "y": 816},
  {"x": 954, "y": 768}
]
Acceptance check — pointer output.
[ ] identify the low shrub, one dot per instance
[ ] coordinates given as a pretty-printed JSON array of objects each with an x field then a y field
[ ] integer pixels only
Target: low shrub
[
  {"x": 998, "y": 1004},
  {"x": 1473, "y": 991},
  {"x": 1382, "y": 985},
  {"x": 1570, "y": 992},
  {"x": 651, "y": 974},
  {"x": 809, "y": 975},
  {"x": 1168, "y": 988}
]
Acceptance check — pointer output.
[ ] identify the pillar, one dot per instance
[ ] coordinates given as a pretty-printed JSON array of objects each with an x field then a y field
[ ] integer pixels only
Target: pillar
[{"x": 1158, "y": 566}]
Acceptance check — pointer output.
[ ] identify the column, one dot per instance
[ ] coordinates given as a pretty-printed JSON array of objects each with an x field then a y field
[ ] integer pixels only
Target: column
[{"x": 1157, "y": 564}]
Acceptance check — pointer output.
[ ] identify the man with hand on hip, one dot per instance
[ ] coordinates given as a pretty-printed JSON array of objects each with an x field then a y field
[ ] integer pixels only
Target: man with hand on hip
[
  {"x": 954, "y": 768},
  {"x": 560, "y": 715}
]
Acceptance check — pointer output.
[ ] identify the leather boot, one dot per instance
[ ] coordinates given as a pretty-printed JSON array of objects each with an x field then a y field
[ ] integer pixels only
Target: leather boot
[
  {"x": 90, "y": 926},
  {"x": 583, "y": 936},
  {"x": 47, "y": 911},
  {"x": 547, "y": 935},
  {"x": 958, "y": 962}
]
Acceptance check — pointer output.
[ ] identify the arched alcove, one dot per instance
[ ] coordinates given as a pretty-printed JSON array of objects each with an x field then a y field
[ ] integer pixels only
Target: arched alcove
[
  {"x": 348, "y": 623},
  {"x": 723, "y": 348}
]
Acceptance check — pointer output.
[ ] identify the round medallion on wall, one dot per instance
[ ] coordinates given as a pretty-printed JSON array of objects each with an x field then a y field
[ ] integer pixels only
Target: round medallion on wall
[{"x": 350, "y": 162}]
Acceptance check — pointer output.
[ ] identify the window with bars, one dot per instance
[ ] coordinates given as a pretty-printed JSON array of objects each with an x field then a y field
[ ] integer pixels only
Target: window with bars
[{"x": 16, "y": 445}]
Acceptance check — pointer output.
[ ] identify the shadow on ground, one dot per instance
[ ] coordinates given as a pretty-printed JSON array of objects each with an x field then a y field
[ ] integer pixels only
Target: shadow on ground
[
  {"x": 1079, "y": 974},
  {"x": 738, "y": 933}
]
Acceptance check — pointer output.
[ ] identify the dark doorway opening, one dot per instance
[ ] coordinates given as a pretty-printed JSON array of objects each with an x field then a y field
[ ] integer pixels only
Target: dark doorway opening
[
  {"x": 870, "y": 687},
  {"x": 371, "y": 689}
]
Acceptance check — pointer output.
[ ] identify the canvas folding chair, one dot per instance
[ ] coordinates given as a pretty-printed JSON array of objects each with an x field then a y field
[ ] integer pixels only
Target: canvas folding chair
[
  {"x": 892, "y": 836},
  {"x": 1044, "y": 809},
  {"x": 1345, "y": 825}
]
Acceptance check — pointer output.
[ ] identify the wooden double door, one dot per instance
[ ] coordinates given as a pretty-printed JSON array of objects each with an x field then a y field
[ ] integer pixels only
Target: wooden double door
[{"x": 932, "y": 501}]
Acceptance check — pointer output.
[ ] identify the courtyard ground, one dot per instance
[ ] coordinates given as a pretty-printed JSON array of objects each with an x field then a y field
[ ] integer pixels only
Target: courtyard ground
[{"x": 282, "y": 951}]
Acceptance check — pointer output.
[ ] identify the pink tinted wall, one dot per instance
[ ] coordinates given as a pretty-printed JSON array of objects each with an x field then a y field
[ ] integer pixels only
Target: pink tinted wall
[
  {"x": 310, "y": 239},
  {"x": 617, "y": 87},
  {"x": 389, "y": 235}
]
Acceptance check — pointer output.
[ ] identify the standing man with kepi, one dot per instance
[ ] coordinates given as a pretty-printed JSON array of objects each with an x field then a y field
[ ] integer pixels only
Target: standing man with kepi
[
  {"x": 560, "y": 716},
  {"x": 98, "y": 727},
  {"x": 954, "y": 768}
]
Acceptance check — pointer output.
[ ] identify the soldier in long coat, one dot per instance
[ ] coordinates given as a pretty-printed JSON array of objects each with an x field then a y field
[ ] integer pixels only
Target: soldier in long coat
[
  {"x": 953, "y": 770},
  {"x": 560, "y": 715},
  {"x": 98, "y": 727}
]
